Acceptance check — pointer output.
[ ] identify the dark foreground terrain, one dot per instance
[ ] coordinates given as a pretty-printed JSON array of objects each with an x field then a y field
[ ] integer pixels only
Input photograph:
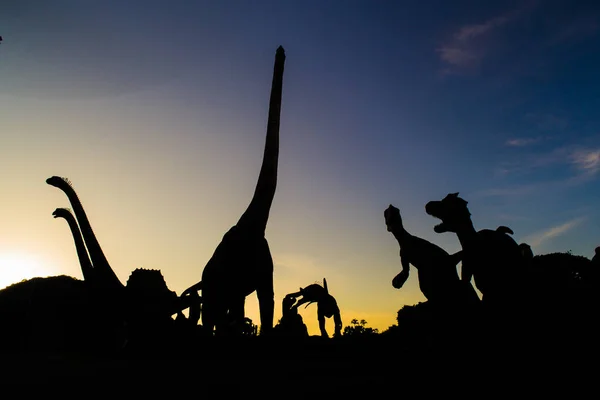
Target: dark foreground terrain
[
  {"x": 357, "y": 367},
  {"x": 52, "y": 336}
]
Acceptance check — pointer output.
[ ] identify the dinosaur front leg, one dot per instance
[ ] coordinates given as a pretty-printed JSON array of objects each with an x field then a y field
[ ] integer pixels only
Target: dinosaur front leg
[
  {"x": 266, "y": 305},
  {"x": 338, "y": 324}
]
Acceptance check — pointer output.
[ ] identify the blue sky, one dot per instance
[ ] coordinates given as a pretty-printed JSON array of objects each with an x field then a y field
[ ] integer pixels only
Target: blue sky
[{"x": 156, "y": 110}]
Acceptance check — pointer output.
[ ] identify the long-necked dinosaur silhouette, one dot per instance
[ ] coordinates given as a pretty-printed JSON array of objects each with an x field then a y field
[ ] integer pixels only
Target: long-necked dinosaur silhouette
[
  {"x": 327, "y": 306},
  {"x": 146, "y": 296},
  {"x": 491, "y": 257},
  {"x": 438, "y": 276},
  {"x": 84, "y": 259},
  {"x": 103, "y": 273},
  {"x": 242, "y": 262}
]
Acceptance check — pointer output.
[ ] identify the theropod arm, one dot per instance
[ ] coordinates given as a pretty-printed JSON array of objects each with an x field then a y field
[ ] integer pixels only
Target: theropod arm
[
  {"x": 399, "y": 279},
  {"x": 466, "y": 273},
  {"x": 456, "y": 257}
]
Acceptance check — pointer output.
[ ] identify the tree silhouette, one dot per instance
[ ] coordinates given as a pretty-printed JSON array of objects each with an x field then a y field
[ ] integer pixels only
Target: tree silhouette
[{"x": 359, "y": 328}]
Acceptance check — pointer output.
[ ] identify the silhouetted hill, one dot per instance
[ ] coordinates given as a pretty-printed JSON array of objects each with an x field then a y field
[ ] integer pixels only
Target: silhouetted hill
[{"x": 51, "y": 314}]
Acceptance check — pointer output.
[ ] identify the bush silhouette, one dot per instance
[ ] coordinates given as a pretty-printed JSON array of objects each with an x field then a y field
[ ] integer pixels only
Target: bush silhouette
[{"x": 359, "y": 328}]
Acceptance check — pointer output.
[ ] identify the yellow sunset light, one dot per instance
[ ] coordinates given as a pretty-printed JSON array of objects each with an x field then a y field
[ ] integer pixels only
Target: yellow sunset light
[{"x": 15, "y": 267}]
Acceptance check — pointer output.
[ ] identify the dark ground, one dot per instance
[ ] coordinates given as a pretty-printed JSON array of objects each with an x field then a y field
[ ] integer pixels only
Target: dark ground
[{"x": 367, "y": 368}]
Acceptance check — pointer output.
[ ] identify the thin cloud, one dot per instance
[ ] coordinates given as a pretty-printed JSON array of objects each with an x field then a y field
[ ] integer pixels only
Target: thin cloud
[
  {"x": 460, "y": 51},
  {"x": 520, "y": 142},
  {"x": 540, "y": 237},
  {"x": 583, "y": 161},
  {"x": 586, "y": 160},
  {"x": 464, "y": 49}
]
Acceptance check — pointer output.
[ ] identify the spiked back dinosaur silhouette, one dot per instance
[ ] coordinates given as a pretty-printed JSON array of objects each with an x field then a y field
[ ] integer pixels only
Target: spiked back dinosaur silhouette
[{"x": 242, "y": 262}]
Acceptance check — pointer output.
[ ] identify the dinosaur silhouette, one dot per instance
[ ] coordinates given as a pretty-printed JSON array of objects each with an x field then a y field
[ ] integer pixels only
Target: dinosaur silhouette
[
  {"x": 438, "y": 276},
  {"x": 84, "y": 261},
  {"x": 144, "y": 301},
  {"x": 103, "y": 273},
  {"x": 291, "y": 323},
  {"x": 326, "y": 305},
  {"x": 242, "y": 262},
  {"x": 491, "y": 257}
]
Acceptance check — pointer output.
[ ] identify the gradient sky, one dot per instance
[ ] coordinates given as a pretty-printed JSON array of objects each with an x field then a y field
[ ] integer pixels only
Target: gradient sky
[{"x": 157, "y": 110}]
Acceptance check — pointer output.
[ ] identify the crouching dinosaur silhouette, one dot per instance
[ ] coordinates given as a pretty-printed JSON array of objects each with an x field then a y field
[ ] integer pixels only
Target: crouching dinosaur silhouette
[
  {"x": 326, "y": 305},
  {"x": 291, "y": 323},
  {"x": 242, "y": 262},
  {"x": 491, "y": 257},
  {"x": 438, "y": 277}
]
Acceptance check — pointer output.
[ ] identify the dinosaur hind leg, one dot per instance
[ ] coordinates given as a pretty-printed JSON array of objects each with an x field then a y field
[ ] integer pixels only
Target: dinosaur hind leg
[{"x": 214, "y": 312}]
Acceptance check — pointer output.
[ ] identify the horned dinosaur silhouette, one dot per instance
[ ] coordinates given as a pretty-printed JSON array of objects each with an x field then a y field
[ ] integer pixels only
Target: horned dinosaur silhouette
[
  {"x": 242, "y": 262},
  {"x": 438, "y": 276},
  {"x": 491, "y": 257},
  {"x": 326, "y": 305},
  {"x": 146, "y": 296}
]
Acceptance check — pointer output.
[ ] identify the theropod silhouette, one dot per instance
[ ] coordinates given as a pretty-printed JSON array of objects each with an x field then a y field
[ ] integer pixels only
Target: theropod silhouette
[
  {"x": 438, "y": 276},
  {"x": 326, "y": 305},
  {"x": 491, "y": 257},
  {"x": 242, "y": 262}
]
